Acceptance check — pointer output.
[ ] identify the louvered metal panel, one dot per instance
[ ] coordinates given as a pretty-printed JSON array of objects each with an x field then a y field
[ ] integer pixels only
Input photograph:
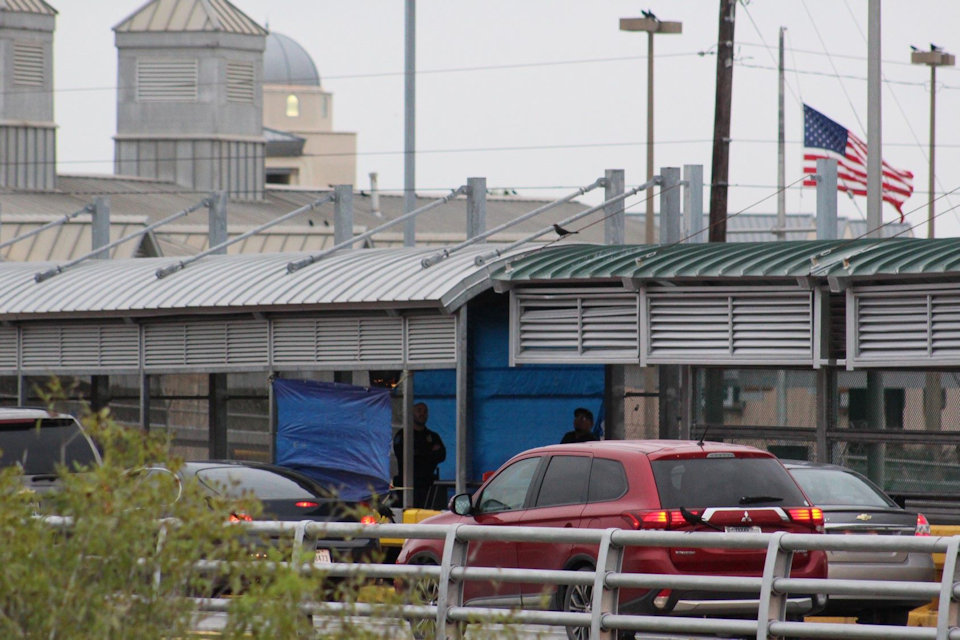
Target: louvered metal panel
[
  {"x": 380, "y": 339},
  {"x": 167, "y": 80},
  {"x": 28, "y": 64},
  {"x": 86, "y": 347},
  {"x": 294, "y": 341},
  {"x": 738, "y": 327},
  {"x": 240, "y": 86},
  {"x": 8, "y": 348},
  {"x": 574, "y": 326},
  {"x": 907, "y": 326},
  {"x": 206, "y": 344},
  {"x": 431, "y": 340}
]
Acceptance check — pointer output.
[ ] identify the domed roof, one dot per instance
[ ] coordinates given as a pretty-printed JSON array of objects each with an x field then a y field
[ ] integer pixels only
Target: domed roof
[{"x": 286, "y": 62}]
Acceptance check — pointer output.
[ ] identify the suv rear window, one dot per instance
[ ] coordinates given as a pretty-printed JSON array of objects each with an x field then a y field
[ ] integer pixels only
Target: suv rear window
[
  {"x": 725, "y": 482},
  {"x": 39, "y": 450}
]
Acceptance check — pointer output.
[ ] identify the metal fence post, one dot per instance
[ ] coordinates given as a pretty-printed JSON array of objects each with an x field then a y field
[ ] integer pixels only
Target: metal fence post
[
  {"x": 948, "y": 608},
  {"x": 605, "y": 600},
  {"x": 296, "y": 555},
  {"x": 773, "y": 606},
  {"x": 450, "y": 591}
]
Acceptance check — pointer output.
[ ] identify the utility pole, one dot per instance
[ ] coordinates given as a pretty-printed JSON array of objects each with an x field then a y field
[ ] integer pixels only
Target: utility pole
[
  {"x": 874, "y": 120},
  {"x": 651, "y": 24},
  {"x": 409, "y": 120},
  {"x": 934, "y": 58},
  {"x": 720, "y": 169},
  {"x": 781, "y": 151}
]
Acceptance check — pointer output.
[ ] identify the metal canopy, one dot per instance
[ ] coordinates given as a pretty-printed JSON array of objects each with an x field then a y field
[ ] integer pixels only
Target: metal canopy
[
  {"x": 863, "y": 258},
  {"x": 387, "y": 279}
]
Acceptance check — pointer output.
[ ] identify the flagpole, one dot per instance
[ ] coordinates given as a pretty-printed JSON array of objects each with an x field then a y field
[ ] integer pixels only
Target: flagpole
[
  {"x": 781, "y": 158},
  {"x": 874, "y": 121}
]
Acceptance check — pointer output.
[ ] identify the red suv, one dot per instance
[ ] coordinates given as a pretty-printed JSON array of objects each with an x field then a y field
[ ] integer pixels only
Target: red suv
[{"x": 637, "y": 484}]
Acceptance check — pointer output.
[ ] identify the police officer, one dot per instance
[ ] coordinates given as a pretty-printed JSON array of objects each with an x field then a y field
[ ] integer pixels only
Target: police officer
[{"x": 428, "y": 452}]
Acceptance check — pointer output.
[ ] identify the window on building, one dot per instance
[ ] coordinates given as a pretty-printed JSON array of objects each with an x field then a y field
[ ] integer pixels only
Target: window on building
[{"x": 293, "y": 106}]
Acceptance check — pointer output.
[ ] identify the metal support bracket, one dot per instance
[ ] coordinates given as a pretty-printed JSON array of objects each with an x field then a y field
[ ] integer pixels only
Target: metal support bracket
[
  {"x": 605, "y": 600},
  {"x": 450, "y": 592},
  {"x": 773, "y": 606}
]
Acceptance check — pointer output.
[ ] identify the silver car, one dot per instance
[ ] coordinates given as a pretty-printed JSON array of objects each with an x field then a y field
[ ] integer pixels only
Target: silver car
[{"x": 853, "y": 504}]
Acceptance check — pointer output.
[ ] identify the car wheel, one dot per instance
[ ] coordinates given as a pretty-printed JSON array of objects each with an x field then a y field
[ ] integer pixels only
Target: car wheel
[
  {"x": 425, "y": 590},
  {"x": 893, "y": 616},
  {"x": 578, "y": 598}
]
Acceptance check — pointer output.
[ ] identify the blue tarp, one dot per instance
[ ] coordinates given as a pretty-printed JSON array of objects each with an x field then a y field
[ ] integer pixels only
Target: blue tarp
[{"x": 337, "y": 434}]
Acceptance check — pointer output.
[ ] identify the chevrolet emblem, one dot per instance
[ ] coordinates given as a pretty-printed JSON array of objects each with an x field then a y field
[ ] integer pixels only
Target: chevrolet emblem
[
  {"x": 864, "y": 516},
  {"x": 745, "y": 518}
]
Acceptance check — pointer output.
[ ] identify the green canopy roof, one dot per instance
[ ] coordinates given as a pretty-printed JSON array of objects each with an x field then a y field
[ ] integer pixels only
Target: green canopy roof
[{"x": 861, "y": 258}]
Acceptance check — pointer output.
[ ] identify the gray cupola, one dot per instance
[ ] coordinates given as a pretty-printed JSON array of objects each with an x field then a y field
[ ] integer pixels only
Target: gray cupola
[
  {"x": 189, "y": 103},
  {"x": 28, "y": 135}
]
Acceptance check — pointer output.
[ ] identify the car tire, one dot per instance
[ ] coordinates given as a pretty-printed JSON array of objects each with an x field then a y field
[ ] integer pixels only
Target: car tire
[
  {"x": 893, "y": 616},
  {"x": 424, "y": 591},
  {"x": 578, "y": 599}
]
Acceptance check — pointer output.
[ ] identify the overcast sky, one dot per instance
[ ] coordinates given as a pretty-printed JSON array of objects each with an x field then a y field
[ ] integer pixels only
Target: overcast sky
[{"x": 542, "y": 96}]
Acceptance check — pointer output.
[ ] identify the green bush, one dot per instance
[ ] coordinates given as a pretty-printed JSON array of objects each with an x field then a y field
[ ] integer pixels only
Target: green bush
[{"x": 126, "y": 566}]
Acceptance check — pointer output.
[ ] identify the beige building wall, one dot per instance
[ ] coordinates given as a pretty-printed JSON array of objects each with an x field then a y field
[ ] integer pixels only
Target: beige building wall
[{"x": 329, "y": 157}]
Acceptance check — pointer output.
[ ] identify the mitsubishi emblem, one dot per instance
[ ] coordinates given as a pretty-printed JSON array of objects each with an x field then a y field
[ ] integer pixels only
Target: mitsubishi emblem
[
  {"x": 864, "y": 516},
  {"x": 746, "y": 518}
]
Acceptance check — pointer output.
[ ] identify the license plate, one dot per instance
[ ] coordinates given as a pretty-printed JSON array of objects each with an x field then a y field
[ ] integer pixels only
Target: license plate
[
  {"x": 322, "y": 556},
  {"x": 742, "y": 529}
]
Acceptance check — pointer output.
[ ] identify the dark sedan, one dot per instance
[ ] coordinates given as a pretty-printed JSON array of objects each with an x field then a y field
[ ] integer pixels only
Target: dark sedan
[
  {"x": 853, "y": 504},
  {"x": 290, "y": 496}
]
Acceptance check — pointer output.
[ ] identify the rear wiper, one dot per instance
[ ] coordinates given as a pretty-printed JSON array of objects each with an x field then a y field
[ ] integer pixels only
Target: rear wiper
[
  {"x": 696, "y": 518},
  {"x": 759, "y": 499}
]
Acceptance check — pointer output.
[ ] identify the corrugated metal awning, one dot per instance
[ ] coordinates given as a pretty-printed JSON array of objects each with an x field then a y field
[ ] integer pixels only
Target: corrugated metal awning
[
  {"x": 862, "y": 258},
  {"x": 362, "y": 278}
]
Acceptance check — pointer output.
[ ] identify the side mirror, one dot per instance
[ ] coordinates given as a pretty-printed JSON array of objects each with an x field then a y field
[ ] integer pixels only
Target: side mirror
[{"x": 461, "y": 504}]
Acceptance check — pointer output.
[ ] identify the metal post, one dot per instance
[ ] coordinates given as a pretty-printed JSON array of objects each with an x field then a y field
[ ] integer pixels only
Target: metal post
[
  {"x": 144, "y": 401},
  {"x": 463, "y": 404},
  {"x": 409, "y": 120},
  {"x": 407, "y": 427},
  {"x": 876, "y": 420},
  {"x": 781, "y": 153},
  {"x": 217, "y": 220},
  {"x": 933, "y": 151},
  {"x": 100, "y": 227},
  {"x": 217, "y": 410},
  {"x": 476, "y": 207},
  {"x": 605, "y": 599},
  {"x": 826, "y": 411},
  {"x": 874, "y": 121},
  {"x": 450, "y": 591},
  {"x": 272, "y": 417},
  {"x": 343, "y": 213},
  {"x": 649, "y": 232},
  {"x": 826, "y": 199},
  {"x": 773, "y": 605},
  {"x": 613, "y": 216},
  {"x": 670, "y": 205},
  {"x": 693, "y": 203},
  {"x": 23, "y": 392}
]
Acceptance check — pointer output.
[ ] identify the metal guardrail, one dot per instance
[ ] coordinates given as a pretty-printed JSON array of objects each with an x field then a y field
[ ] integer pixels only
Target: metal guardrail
[{"x": 604, "y": 620}]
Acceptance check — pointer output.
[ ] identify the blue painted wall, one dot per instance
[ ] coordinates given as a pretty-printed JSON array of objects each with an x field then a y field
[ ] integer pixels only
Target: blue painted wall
[{"x": 512, "y": 409}]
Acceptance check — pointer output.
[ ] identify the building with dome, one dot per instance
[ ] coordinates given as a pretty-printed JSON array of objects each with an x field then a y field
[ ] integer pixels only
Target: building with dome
[{"x": 302, "y": 147}]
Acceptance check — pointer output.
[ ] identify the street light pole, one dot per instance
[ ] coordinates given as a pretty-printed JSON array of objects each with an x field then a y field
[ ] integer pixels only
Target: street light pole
[
  {"x": 651, "y": 24},
  {"x": 933, "y": 58}
]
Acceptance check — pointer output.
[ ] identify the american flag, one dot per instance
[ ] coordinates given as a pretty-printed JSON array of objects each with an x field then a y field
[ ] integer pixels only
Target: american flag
[{"x": 824, "y": 138}]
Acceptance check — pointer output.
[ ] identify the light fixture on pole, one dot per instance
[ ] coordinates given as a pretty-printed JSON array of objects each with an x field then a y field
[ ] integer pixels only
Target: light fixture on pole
[
  {"x": 651, "y": 24},
  {"x": 934, "y": 58}
]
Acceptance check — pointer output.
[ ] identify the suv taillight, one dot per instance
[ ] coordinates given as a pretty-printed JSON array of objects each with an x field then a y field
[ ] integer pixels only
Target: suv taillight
[
  {"x": 923, "y": 526},
  {"x": 812, "y": 516},
  {"x": 661, "y": 519}
]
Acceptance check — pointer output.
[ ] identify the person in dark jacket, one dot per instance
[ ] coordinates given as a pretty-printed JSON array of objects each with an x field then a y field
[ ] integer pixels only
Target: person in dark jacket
[
  {"x": 582, "y": 427},
  {"x": 428, "y": 452}
]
